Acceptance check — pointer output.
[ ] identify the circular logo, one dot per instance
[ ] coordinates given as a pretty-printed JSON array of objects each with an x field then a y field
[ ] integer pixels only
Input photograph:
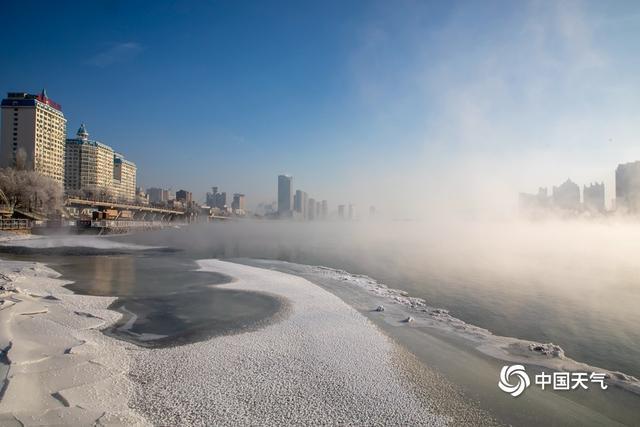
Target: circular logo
[{"x": 518, "y": 374}]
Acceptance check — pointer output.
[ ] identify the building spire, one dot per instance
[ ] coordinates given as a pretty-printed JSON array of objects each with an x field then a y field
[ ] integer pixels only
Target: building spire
[
  {"x": 82, "y": 132},
  {"x": 43, "y": 94}
]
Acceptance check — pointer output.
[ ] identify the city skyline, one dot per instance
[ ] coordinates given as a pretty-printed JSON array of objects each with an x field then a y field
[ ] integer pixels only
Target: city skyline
[{"x": 381, "y": 105}]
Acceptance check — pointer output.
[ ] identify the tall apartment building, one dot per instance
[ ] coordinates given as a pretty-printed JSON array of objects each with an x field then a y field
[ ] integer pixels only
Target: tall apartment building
[
  {"x": 566, "y": 195},
  {"x": 88, "y": 164},
  {"x": 300, "y": 201},
  {"x": 238, "y": 203},
  {"x": 352, "y": 211},
  {"x": 157, "y": 195},
  {"x": 628, "y": 187},
  {"x": 124, "y": 178},
  {"x": 284, "y": 195},
  {"x": 216, "y": 199},
  {"x": 35, "y": 124},
  {"x": 311, "y": 209},
  {"x": 210, "y": 198},
  {"x": 593, "y": 197},
  {"x": 184, "y": 196}
]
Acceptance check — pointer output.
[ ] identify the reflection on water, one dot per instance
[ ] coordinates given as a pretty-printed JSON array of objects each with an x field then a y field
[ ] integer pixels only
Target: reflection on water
[
  {"x": 163, "y": 300},
  {"x": 134, "y": 274}
]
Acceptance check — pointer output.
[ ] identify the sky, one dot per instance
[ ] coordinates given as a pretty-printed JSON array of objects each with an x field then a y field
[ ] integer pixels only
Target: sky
[{"x": 406, "y": 105}]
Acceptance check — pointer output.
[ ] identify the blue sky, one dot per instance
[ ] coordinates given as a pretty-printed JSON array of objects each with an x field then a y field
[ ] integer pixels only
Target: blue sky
[{"x": 370, "y": 102}]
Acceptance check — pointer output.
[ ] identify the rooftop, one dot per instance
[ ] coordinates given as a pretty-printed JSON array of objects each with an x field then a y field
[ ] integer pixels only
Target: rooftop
[{"x": 24, "y": 99}]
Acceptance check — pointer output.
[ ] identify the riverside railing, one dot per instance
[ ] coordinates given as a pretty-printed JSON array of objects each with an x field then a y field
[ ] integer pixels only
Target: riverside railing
[
  {"x": 105, "y": 223},
  {"x": 15, "y": 224}
]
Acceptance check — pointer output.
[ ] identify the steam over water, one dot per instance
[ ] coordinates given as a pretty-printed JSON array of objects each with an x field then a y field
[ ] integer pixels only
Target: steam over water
[{"x": 576, "y": 284}]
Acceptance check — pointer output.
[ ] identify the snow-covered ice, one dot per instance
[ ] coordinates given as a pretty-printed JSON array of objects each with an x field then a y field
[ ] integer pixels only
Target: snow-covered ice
[
  {"x": 63, "y": 369},
  {"x": 318, "y": 362},
  {"x": 508, "y": 349},
  {"x": 324, "y": 363}
]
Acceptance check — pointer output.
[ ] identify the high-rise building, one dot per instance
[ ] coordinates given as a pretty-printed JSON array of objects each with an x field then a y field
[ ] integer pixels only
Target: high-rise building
[
  {"x": 216, "y": 199},
  {"x": 566, "y": 196},
  {"x": 341, "y": 211},
  {"x": 141, "y": 196},
  {"x": 352, "y": 211},
  {"x": 238, "y": 203},
  {"x": 284, "y": 195},
  {"x": 34, "y": 124},
  {"x": 297, "y": 202},
  {"x": 211, "y": 197},
  {"x": 534, "y": 203},
  {"x": 325, "y": 210},
  {"x": 593, "y": 197},
  {"x": 300, "y": 204},
  {"x": 157, "y": 195},
  {"x": 628, "y": 187},
  {"x": 88, "y": 164},
  {"x": 221, "y": 200},
  {"x": 372, "y": 211},
  {"x": 184, "y": 196},
  {"x": 124, "y": 178},
  {"x": 311, "y": 209}
]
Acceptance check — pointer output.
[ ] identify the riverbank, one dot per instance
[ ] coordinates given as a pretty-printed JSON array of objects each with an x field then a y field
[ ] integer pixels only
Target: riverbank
[
  {"x": 472, "y": 357},
  {"x": 321, "y": 362},
  {"x": 62, "y": 370}
]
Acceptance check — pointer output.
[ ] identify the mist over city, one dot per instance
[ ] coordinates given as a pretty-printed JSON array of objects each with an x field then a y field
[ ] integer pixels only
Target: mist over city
[{"x": 320, "y": 213}]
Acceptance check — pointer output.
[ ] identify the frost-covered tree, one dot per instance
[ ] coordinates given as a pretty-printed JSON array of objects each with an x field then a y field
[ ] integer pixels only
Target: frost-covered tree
[{"x": 26, "y": 189}]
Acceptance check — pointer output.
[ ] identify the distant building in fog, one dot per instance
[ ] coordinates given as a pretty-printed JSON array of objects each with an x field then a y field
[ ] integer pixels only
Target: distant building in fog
[
  {"x": 216, "y": 199},
  {"x": 593, "y": 197},
  {"x": 341, "y": 211},
  {"x": 184, "y": 196},
  {"x": 628, "y": 187},
  {"x": 157, "y": 195},
  {"x": 531, "y": 203},
  {"x": 567, "y": 195},
  {"x": 141, "y": 197},
  {"x": 372, "y": 211},
  {"x": 352, "y": 211},
  {"x": 210, "y": 199},
  {"x": 311, "y": 209},
  {"x": 325, "y": 210},
  {"x": 300, "y": 200},
  {"x": 284, "y": 195},
  {"x": 238, "y": 204}
]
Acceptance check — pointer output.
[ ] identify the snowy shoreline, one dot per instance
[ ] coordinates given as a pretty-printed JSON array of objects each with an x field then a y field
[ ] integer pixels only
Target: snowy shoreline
[
  {"x": 63, "y": 369},
  {"x": 324, "y": 363},
  {"x": 321, "y": 363},
  {"x": 508, "y": 349},
  {"x": 78, "y": 375}
]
